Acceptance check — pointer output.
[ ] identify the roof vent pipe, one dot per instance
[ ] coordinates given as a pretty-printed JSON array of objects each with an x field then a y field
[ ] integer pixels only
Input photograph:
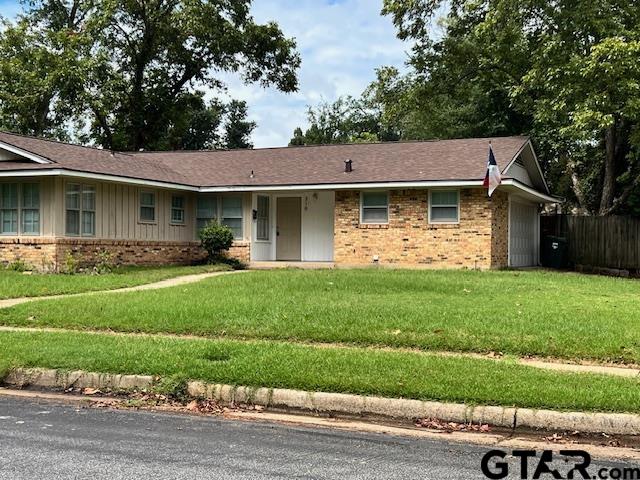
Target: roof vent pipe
[{"x": 348, "y": 166}]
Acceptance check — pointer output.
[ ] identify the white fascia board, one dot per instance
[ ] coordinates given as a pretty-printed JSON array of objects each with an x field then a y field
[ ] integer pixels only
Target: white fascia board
[
  {"x": 542, "y": 197},
  {"x": 535, "y": 160},
  {"x": 23, "y": 153},
  {"x": 535, "y": 157},
  {"x": 275, "y": 188},
  {"x": 96, "y": 176},
  {"x": 346, "y": 186}
]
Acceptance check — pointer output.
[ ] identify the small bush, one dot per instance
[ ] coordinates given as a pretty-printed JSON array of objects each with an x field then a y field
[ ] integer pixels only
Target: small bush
[
  {"x": 104, "y": 263},
  {"x": 71, "y": 264},
  {"x": 216, "y": 239},
  {"x": 19, "y": 266}
]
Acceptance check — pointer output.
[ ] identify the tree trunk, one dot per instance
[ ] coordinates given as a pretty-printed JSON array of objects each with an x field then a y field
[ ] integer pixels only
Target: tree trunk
[
  {"x": 609, "y": 182},
  {"x": 576, "y": 187}
]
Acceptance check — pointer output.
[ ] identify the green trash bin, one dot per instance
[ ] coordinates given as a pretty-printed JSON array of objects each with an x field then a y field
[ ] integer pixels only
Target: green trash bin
[{"x": 554, "y": 252}]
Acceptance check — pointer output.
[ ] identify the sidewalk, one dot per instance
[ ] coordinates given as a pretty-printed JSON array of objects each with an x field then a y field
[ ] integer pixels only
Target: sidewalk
[{"x": 169, "y": 282}]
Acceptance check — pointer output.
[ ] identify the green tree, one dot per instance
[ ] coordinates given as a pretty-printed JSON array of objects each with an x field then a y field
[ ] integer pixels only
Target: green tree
[
  {"x": 129, "y": 72},
  {"x": 562, "y": 71},
  {"x": 38, "y": 84},
  {"x": 238, "y": 129},
  {"x": 347, "y": 120}
]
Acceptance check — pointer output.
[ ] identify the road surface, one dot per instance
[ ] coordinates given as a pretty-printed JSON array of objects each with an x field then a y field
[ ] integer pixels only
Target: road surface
[{"x": 43, "y": 439}]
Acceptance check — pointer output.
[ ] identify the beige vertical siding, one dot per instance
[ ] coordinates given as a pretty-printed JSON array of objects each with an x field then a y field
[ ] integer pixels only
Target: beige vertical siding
[{"x": 118, "y": 212}]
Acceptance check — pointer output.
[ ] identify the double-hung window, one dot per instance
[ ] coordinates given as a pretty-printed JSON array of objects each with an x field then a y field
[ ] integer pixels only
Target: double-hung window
[
  {"x": 9, "y": 208},
  {"x": 206, "y": 211},
  {"x": 262, "y": 219},
  {"x": 20, "y": 209},
  {"x": 147, "y": 207},
  {"x": 80, "y": 203},
  {"x": 31, "y": 208},
  {"x": 226, "y": 210},
  {"x": 374, "y": 207},
  {"x": 177, "y": 210},
  {"x": 232, "y": 215},
  {"x": 444, "y": 206},
  {"x": 88, "y": 210}
]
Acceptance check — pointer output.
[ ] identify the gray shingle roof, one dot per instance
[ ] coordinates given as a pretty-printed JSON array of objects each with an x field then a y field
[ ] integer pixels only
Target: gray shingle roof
[{"x": 375, "y": 162}]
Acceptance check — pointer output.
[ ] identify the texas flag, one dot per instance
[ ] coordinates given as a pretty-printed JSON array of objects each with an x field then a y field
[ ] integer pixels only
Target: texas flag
[{"x": 492, "y": 179}]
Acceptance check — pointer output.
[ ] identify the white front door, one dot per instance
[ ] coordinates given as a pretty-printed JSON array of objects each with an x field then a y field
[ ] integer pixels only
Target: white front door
[{"x": 523, "y": 230}]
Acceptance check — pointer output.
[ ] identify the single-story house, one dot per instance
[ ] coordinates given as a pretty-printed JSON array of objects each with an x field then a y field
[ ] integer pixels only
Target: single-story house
[{"x": 400, "y": 203}]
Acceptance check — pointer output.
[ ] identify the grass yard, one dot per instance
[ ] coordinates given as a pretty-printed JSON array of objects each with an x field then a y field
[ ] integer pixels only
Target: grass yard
[
  {"x": 520, "y": 313},
  {"x": 351, "y": 370},
  {"x": 16, "y": 284}
]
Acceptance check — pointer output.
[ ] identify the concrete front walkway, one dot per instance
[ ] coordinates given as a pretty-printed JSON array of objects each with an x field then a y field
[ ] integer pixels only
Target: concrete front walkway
[{"x": 169, "y": 282}]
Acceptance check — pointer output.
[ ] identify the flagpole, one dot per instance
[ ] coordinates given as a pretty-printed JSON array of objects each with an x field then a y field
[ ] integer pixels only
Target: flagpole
[{"x": 489, "y": 196}]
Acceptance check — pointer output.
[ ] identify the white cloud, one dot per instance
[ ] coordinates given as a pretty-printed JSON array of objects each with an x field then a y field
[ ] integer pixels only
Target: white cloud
[{"x": 341, "y": 43}]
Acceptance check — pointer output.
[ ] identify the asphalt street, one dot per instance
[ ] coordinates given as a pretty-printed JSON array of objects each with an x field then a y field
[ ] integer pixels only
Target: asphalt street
[{"x": 46, "y": 440}]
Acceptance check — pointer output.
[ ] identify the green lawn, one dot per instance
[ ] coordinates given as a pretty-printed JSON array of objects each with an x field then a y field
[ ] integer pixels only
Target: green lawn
[
  {"x": 520, "y": 313},
  {"x": 353, "y": 370},
  {"x": 16, "y": 284}
]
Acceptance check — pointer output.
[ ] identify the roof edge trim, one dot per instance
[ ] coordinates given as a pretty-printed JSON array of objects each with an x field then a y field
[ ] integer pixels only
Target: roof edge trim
[
  {"x": 529, "y": 144},
  {"x": 24, "y": 153},
  {"x": 95, "y": 176},
  {"x": 273, "y": 188}
]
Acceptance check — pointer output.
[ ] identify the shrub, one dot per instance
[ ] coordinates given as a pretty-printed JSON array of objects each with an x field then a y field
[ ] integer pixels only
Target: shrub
[
  {"x": 216, "y": 239},
  {"x": 104, "y": 262},
  {"x": 19, "y": 265},
  {"x": 71, "y": 264}
]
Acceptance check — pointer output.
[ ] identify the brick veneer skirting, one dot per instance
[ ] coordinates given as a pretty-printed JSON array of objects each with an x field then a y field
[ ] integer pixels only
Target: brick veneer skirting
[
  {"x": 479, "y": 240},
  {"x": 49, "y": 254}
]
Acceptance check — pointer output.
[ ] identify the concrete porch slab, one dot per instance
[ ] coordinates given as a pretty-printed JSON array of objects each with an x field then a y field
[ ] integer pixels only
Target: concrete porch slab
[{"x": 283, "y": 264}]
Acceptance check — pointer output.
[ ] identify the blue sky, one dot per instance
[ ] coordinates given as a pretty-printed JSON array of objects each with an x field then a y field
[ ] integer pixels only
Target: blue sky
[{"x": 341, "y": 43}]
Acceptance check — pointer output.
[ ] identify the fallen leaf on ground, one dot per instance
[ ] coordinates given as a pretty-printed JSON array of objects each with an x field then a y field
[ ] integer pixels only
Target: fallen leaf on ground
[{"x": 435, "y": 424}]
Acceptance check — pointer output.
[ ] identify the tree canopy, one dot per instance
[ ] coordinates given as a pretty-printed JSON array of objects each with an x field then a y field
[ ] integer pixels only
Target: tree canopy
[
  {"x": 132, "y": 74},
  {"x": 347, "y": 120},
  {"x": 565, "y": 72}
]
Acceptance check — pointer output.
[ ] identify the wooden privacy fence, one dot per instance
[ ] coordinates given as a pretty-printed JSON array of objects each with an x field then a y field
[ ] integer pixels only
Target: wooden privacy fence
[{"x": 604, "y": 242}]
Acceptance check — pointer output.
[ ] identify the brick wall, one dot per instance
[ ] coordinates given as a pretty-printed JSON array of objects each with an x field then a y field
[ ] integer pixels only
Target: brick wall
[
  {"x": 477, "y": 241},
  {"x": 47, "y": 254},
  {"x": 40, "y": 253},
  {"x": 500, "y": 230},
  {"x": 241, "y": 250}
]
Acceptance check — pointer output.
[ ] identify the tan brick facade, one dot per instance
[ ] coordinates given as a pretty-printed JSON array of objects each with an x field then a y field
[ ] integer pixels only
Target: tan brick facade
[
  {"x": 241, "y": 250},
  {"x": 39, "y": 253},
  {"x": 46, "y": 254},
  {"x": 479, "y": 240}
]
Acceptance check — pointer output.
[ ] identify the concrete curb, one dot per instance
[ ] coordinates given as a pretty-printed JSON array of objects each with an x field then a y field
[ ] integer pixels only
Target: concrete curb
[
  {"x": 346, "y": 404},
  {"x": 45, "y": 378}
]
